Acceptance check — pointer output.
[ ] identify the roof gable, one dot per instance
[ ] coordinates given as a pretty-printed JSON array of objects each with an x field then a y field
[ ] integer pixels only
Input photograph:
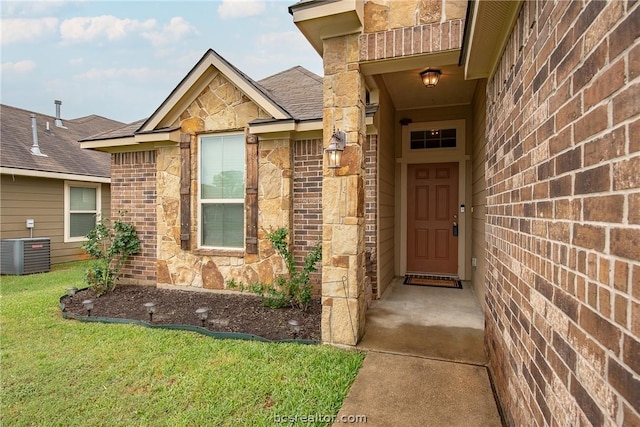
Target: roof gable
[{"x": 197, "y": 79}]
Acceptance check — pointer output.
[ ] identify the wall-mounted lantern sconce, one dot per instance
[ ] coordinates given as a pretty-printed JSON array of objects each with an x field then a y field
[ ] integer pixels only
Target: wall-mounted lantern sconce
[
  {"x": 334, "y": 151},
  {"x": 430, "y": 77}
]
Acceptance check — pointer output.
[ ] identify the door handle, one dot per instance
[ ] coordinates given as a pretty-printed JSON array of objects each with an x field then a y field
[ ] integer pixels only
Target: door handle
[{"x": 455, "y": 229}]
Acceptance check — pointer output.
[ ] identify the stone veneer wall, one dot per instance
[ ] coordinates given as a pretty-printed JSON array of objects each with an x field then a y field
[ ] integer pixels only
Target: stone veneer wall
[
  {"x": 221, "y": 107},
  {"x": 563, "y": 228},
  {"x": 307, "y": 202},
  {"x": 133, "y": 190}
]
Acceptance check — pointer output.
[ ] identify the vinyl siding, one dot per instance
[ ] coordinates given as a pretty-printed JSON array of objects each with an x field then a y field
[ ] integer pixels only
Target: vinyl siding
[{"x": 40, "y": 199}]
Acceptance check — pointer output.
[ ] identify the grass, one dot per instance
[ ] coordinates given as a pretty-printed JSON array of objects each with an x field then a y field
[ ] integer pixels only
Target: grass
[{"x": 68, "y": 373}]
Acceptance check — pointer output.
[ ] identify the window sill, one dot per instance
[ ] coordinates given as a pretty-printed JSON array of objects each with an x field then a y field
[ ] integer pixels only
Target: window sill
[{"x": 219, "y": 252}]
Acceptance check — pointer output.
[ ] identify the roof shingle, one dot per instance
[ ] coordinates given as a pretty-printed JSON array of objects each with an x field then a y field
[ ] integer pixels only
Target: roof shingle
[{"x": 60, "y": 145}]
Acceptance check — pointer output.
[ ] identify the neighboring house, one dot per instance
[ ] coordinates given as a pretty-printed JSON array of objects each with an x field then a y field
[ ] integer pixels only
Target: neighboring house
[
  {"x": 47, "y": 177},
  {"x": 517, "y": 172}
]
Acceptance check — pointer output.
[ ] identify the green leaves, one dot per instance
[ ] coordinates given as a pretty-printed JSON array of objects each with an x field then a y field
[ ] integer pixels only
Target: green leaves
[
  {"x": 110, "y": 247},
  {"x": 293, "y": 288}
]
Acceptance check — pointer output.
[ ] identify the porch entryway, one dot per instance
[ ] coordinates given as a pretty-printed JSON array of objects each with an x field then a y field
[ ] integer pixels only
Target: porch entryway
[{"x": 432, "y": 322}]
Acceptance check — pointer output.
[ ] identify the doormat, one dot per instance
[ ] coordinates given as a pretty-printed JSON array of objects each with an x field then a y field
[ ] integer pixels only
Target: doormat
[{"x": 437, "y": 281}]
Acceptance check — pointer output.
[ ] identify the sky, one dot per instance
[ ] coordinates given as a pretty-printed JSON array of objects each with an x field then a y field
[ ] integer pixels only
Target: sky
[{"x": 122, "y": 59}]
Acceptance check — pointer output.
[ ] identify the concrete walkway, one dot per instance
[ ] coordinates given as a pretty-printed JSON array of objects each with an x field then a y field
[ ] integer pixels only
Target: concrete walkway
[
  {"x": 395, "y": 390},
  {"x": 425, "y": 363}
]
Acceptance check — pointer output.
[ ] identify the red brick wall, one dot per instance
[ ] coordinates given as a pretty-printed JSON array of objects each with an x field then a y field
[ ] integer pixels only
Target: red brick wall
[
  {"x": 371, "y": 207},
  {"x": 133, "y": 189},
  {"x": 307, "y": 202},
  {"x": 563, "y": 230}
]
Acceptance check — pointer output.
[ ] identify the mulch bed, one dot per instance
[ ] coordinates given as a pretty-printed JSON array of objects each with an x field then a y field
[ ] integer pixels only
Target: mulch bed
[{"x": 228, "y": 312}]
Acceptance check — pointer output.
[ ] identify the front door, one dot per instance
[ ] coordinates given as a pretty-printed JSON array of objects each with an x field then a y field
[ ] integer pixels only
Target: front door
[{"x": 432, "y": 218}]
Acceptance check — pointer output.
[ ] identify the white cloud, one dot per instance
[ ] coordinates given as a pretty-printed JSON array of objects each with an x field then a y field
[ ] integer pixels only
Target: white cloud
[
  {"x": 240, "y": 8},
  {"x": 76, "y": 61},
  {"x": 27, "y": 30},
  {"x": 283, "y": 41},
  {"x": 20, "y": 66},
  {"x": 176, "y": 29},
  {"x": 30, "y": 8},
  {"x": 83, "y": 29},
  {"x": 139, "y": 74}
]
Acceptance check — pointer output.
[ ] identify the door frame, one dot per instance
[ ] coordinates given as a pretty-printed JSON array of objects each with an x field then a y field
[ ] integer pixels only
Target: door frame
[{"x": 435, "y": 155}]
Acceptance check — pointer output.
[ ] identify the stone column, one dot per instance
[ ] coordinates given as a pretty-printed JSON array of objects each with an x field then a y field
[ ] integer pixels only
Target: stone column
[{"x": 343, "y": 296}]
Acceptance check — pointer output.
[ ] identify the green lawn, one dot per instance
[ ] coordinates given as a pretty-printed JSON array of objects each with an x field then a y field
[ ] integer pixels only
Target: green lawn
[{"x": 68, "y": 373}]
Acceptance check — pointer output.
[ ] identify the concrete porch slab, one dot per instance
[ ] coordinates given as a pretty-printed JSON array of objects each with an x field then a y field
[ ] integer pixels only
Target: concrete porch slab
[
  {"x": 410, "y": 391},
  {"x": 437, "y": 323}
]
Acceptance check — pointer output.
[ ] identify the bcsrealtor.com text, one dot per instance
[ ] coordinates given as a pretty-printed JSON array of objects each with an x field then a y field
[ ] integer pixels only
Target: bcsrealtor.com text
[{"x": 319, "y": 418}]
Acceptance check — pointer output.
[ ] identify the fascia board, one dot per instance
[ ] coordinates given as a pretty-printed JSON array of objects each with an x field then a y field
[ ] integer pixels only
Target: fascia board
[{"x": 53, "y": 175}]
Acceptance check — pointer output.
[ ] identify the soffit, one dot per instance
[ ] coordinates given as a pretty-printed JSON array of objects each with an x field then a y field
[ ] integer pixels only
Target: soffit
[
  {"x": 325, "y": 19},
  {"x": 488, "y": 27}
]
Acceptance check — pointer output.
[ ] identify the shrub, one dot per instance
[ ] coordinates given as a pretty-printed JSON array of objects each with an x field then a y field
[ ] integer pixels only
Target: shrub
[
  {"x": 291, "y": 289},
  {"x": 110, "y": 247}
]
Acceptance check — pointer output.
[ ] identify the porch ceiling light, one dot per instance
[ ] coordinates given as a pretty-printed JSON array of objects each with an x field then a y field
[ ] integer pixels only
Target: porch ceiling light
[
  {"x": 337, "y": 144},
  {"x": 430, "y": 77}
]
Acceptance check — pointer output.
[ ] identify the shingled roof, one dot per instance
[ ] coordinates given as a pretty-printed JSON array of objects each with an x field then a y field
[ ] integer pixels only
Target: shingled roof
[
  {"x": 297, "y": 90},
  {"x": 59, "y": 144}
]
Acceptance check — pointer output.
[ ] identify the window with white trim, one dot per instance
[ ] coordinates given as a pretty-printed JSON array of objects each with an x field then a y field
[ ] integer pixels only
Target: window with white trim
[
  {"x": 82, "y": 209},
  {"x": 433, "y": 138},
  {"x": 221, "y": 183}
]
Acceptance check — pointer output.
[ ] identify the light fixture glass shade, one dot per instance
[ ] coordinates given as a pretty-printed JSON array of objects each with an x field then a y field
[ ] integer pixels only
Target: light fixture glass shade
[
  {"x": 150, "y": 306},
  {"x": 430, "y": 78},
  {"x": 202, "y": 313},
  {"x": 335, "y": 148},
  {"x": 294, "y": 325},
  {"x": 334, "y": 157}
]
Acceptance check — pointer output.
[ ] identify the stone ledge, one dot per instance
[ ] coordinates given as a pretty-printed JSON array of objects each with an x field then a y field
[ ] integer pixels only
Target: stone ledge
[{"x": 219, "y": 252}]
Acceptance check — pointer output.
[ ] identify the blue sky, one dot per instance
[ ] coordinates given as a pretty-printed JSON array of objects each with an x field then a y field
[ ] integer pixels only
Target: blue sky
[{"x": 121, "y": 59}]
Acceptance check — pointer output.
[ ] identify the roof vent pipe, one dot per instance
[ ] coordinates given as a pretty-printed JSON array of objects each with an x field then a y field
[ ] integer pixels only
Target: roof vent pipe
[
  {"x": 58, "y": 119},
  {"x": 35, "y": 148}
]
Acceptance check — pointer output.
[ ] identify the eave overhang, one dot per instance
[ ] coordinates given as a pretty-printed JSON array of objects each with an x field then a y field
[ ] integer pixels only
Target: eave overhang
[
  {"x": 488, "y": 26},
  {"x": 324, "y": 19},
  {"x": 53, "y": 175},
  {"x": 156, "y": 138}
]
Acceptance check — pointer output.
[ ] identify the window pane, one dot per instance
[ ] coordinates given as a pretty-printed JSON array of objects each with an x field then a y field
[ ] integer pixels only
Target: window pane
[
  {"x": 223, "y": 225},
  {"x": 82, "y": 198},
  {"x": 222, "y": 167},
  {"x": 81, "y": 223},
  {"x": 434, "y": 138}
]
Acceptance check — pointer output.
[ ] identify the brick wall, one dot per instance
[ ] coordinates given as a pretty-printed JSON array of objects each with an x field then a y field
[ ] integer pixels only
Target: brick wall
[
  {"x": 307, "y": 202},
  {"x": 133, "y": 189},
  {"x": 563, "y": 230},
  {"x": 414, "y": 40},
  {"x": 371, "y": 207}
]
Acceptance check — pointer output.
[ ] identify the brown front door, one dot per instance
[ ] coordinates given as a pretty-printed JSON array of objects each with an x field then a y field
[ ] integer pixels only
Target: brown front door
[{"x": 432, "y": 213}]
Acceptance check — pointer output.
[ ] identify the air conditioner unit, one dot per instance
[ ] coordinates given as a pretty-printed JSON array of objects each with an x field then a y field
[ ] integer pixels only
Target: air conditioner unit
[{"x": 25, "y": 256}]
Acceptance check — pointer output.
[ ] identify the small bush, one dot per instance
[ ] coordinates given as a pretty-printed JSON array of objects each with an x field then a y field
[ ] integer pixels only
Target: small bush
[
  {"x": 291, "y": 289},
  {"x": 110, "y": 247}
]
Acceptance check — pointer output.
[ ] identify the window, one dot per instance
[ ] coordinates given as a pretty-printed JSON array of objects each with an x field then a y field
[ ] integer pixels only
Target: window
[
  {"x": 433, "y": 138},
  {"x": 82, "y": 208},
  {"x": 221, "y": 191}
]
